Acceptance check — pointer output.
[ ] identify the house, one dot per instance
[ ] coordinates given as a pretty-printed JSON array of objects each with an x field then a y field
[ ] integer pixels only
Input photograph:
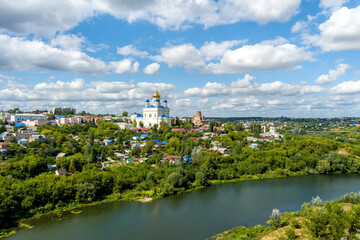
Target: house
[
  {"x": 135, "y": 138},
  {"x": 143, "y": 136},
  {"x": 3, "y": 145},
  {"x": 40, "y": 138},
  {"x": 6, "y": 136},
  {"x": 51, "y": 167},
  {"x": 193, "y": 130},
  {"x": 143, "y": 160},
  {"x": 60, "y": 155},
  {"x": 61, "y": 172},
  {"x": 178, "y": 130},
  {"x": 108, "y": 142},
  {"x": 187, "y": 159},
  {"x": 121, "y": 156},
  {"x": 172, "y": 158},
  {"x": 219, "y": 129},
  {"x": 124, "y": 125},
  {"x": 23, "y": 141},
  {"x": 253, "y": 145},
  {"x": 130, "y": 160}
]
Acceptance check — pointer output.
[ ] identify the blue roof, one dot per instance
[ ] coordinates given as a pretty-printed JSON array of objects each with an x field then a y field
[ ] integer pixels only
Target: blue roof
[
  {"x": 165, "y": 142},
  {"x": 139, "y": 115},
  {"x": 108, "y": 140},
  {"x": 59, "y": 116},
  {"x": 147, "y": 100},
  {"x": 20, "y": 125},
  {"x": 156, "y": 100},
  {"x": 164, "y": 116},
  {"x": 165, "y": 100},
  {"x": 155, "y": 140},
  {"x": 143, "y": 135}
]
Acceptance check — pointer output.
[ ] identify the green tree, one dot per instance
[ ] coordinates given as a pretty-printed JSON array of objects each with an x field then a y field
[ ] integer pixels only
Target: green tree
[{"x": 125, "y": 114}]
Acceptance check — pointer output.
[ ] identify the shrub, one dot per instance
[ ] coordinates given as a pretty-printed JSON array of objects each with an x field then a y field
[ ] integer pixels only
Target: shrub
[
  {"x": 275, "y": 218},
  {"x": 290, "y": 233},
  {"x": 317, "y": 201}
]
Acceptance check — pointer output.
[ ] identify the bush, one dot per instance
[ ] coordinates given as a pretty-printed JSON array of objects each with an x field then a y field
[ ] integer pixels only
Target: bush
[
  {"x": 290, "y": 233},
  {"x": 317, "y": 201},
  {"x": 352, "y": 197},
  {"x": 201, "y": 179},
  {"x": 275, "y": 218},
  {"x": 175, "y": 179}
]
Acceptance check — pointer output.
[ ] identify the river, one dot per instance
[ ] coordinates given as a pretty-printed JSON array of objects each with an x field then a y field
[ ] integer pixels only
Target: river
[{"x": 195, "y": 215}]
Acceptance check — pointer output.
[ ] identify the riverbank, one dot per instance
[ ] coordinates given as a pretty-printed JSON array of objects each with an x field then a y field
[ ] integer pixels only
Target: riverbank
[
  {"x": 131, "y": 195},
  {"x": 333, "y": 220}
]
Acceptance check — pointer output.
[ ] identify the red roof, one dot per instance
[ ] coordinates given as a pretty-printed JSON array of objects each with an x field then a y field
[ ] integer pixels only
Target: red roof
[
  {"x": 193, "y": 130},
  {"x": 179, "y": 129},
  {"x": 172, "y": 157}
]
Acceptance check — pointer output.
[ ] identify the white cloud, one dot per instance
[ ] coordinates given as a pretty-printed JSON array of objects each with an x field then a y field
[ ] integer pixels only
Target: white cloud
[
  {"x": 130, "y": 50},
  {"x": 19, "y": 54},
  {"x": 340, "y": 32},
  {"x": 182, "y": 55},
  {"x": 68, "y": 42},
  {"x": 49, "y": 17},
  {"x": 218, "y": 58},
  {"x": 124, "y": 66},
  {"x": 333, "y": 74},
  {"x": 152, "y": 68},
  {"x": 260, "y": 57},
  {"x": 298, "y": 26},
  {"x": 248, "y": 86},
  {"x": 349, "y": 87},
  {"x": 77, "y": 84},
  {"x": 332, "y": 4}
]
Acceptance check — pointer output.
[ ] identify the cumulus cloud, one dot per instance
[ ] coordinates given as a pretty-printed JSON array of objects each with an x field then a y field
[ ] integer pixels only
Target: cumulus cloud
[
  {"x": 248, "y": 86},
  {"x": 124, "y": 66},
  {"x": 260, "y": 57},
  {"x": 49, "y": 17},
  {"x": 68, "y": 42},
  {"x": 340, "y": 32},
  {"x": 349, "y": 87},
  {"x": 79, "y": 91},
  {"x": 152, "y": 68},
  {"x": 333, "y": 74},
  {"x": 130, "y": 50},
  {"x": 219, "y": 58},
  {"x": 19, "y": 54}
]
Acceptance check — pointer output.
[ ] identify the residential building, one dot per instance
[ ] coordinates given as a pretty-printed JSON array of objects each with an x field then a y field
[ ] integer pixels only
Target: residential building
[{"x": 18, "y": 118}]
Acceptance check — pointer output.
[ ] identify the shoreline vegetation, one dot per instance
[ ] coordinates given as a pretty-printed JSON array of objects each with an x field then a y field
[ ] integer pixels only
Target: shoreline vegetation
[
  {"x": 57, "y": 214},
  {"x": 338, "y": 219}
]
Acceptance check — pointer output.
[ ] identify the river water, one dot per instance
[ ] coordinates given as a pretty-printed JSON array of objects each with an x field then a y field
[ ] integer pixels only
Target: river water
[{"x": 195, "y": 215}]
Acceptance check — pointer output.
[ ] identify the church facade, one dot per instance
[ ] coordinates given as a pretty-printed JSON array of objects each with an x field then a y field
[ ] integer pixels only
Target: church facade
[{"x": 153, "y": 113}]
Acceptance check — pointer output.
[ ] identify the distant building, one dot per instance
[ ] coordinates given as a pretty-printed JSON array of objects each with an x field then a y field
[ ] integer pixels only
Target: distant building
[
  {"x": 198, "y": 119},
  {"x": 64, "y": 111},
  {"x": 18, "y": 118},
  {"x": 34, "y": 138},
  {"x": 153, "y": 113},
  {"x": 124, "y": 125}
]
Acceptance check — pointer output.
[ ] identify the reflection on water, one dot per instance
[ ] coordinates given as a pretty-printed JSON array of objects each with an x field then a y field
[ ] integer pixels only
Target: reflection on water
[{"x": 195, "y": 215}]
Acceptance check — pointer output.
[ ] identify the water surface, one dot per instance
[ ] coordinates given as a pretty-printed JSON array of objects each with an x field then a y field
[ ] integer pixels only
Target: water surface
[{"x": 195, "y": 215}]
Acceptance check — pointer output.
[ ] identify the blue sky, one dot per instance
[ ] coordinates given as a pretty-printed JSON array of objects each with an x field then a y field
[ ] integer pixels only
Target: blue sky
[{"x": 226, "y": 58}]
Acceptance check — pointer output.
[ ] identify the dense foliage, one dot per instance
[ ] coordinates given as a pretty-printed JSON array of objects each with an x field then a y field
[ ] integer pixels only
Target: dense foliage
[{"x": 28, "y": 187}]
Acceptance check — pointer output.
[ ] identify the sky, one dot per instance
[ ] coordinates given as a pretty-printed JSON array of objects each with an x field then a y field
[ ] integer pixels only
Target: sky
[{"x": 226, "y": 58}]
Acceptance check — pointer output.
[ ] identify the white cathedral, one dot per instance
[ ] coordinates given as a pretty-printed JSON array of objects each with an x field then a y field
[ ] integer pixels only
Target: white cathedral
[{"x": 153, "y": 113}]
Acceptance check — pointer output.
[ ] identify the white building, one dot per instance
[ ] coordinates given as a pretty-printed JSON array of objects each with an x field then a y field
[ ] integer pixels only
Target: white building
[
  {"x": 153, "y": 113},
  {"x": 18, "y": 118}
]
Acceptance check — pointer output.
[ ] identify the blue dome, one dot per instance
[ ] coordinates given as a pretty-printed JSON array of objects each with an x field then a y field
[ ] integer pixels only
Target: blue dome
[
  {"x": 156, "y": 100},
  {"x": 165, "y": 100},
  {"x": 147, "y": 100}
]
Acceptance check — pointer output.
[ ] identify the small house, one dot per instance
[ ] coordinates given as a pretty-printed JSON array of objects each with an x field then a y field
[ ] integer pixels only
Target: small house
[
  {"x": 40, "y": 138},
  {"x": 61, "y": 171}
]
